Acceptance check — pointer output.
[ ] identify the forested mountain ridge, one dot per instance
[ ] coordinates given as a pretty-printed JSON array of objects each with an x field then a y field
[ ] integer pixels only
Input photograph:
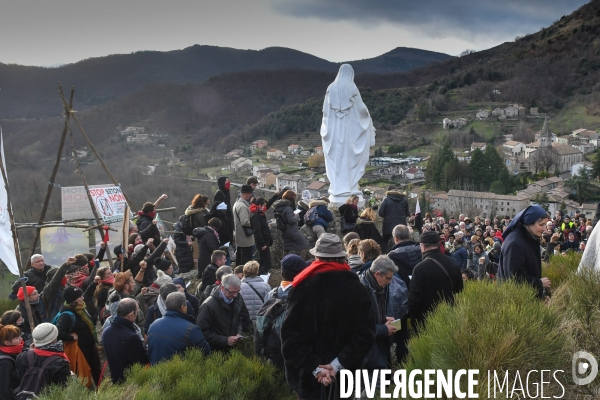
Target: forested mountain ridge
[{"x": 29, "y": 92}]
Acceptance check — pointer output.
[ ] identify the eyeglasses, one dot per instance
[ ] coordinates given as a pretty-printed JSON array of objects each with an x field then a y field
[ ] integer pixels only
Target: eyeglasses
[
  {"x": 388, "y": 278},
  {"x": 230, "y": 292}
]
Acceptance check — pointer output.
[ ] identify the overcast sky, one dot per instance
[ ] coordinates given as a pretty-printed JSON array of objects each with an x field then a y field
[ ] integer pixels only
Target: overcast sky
[{"x": 51, "y": 32}]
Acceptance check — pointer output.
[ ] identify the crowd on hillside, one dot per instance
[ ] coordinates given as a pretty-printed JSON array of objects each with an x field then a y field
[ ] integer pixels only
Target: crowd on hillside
[{"x": 139, "y": 311}]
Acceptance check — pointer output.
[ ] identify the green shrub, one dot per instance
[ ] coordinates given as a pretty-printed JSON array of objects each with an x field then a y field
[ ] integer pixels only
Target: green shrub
[
  {"x": 491, "y": 327},
  {"x": 560, "y": 268},
  {"x": 578, "y": 301},
  {"x": 7, "y": 304},
  {"x": 193, "y": 376}
]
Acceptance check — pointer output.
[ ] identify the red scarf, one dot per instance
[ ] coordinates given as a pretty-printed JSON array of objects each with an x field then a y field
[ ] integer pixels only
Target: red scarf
[
  {"x": 46, "y": 353},
  {"x": 13, "y": 350},
  {"x": 318, "y": 267},
  {"x": 108, "y": 281},
  {"x": 150, "y": 214},
  {"x": 256, "y": 208}
]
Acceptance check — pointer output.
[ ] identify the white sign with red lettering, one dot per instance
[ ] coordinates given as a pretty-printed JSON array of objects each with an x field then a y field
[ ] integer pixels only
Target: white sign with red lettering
[{"x": 110, "y": 203}]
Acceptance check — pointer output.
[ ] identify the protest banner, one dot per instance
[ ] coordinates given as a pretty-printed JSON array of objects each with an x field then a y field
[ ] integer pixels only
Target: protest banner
[{"x": 110, "y": 203}]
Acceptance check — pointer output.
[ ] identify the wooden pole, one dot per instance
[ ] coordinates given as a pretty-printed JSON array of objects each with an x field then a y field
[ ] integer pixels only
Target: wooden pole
[
  {"x": 71, "y": 111},
  {"x": 16, "y": 245},
  {"x": 89, "y": 196},
  {"x": 61, "y": 145}
]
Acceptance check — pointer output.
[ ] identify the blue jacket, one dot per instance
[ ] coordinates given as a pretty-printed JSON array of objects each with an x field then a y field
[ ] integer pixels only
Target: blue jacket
[
  {"x": 123, "y": 348},
  {"x": 461, "y": 255},
  {"x": 325, "y": 215},
  {"x": 173, "y": 334}
]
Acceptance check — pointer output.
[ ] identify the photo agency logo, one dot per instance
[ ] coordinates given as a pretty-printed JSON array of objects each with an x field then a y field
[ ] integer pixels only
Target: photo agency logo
[{"x": 585, "y": 368}]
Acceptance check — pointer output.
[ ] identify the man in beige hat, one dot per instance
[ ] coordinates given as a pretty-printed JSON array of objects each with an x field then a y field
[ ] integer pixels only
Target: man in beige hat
[{"x": 329, "y": 323}]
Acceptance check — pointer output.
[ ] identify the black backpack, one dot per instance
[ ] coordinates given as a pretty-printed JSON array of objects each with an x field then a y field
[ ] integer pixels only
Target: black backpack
[
  {"x": 268, "y": 322},
  {"x": 187, "y": 224},
  {"x": 281, "y": 225},
  {"x": 34, "y": 379}
]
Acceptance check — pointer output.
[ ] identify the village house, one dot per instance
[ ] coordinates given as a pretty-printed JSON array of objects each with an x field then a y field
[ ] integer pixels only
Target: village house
[
  {"x": 458, "y": 123},
  {"x": 478, "y": 145},
  {"x": 295, "y": 148},
  {"x": 318, "y": 189},
  {"x": 142, "y": 138},
  {"x": 485, "y": 203},
  {"x": 274, "y": 154},
  {"x": 482, "y": 114},
  {"x": 533, "y": 111},
  {"x": 275, "y": 168},
  {"x": 259, "y": 144},
  {"x": 510, "y": 148},
  {"x": 414, "y": 173},
  {"x": 241, "y": 164},
  {"x": 266, "y": 179},
  {"x": 293, "y": 181},
  {"x": 234, "y": 153},
  {"x": 260, "y": 168},
  {"x": 132, "y": 130}
]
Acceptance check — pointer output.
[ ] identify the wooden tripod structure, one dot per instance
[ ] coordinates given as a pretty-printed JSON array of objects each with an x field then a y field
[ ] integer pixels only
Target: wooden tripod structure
[{"x": 70, "y": 113}]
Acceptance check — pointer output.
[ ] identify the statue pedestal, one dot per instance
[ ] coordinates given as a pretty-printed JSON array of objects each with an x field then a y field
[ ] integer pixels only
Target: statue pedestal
[{"x": 338, "y": 200}]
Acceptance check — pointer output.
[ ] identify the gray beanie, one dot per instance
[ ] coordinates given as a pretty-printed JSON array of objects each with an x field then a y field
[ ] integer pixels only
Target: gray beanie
[{"x": 44, "y": 334}]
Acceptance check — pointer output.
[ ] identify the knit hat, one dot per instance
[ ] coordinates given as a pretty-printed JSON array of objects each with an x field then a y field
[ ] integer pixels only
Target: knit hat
[
  {"x": 137, "y": 249},
  {"x": 72, "y": 293},
  {"x": 121, "y": 279},
  {"x": 306, "y": 195},
  {"x": 328, "y": 245},
  {"x": 44, "y": 334},
  {"x": 180, "y": 281},
  {"x": 162, "y": 264},
  {"x": 222, "y": 206},
  {"x": 430, "y": 237},
  {"x": 118, "y": 249},
  {"x": 293, "y": 264},
  {"x": 30, "y": 289},
  {"x": 162, "y": 278}
]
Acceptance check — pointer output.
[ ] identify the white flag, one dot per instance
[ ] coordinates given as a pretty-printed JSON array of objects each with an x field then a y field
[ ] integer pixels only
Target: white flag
[
  {"x": 7, "y": 247},
  {"x": 418, "y": 208}
]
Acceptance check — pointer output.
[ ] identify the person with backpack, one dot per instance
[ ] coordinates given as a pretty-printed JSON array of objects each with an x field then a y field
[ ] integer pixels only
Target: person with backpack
[
  {"x": 262, "y": 234},
  {"x": 254, "y": 289},
  {"x": 323, "y": 216},
  {"x": 208, "y": 241},
  {"x": 11, "y": 345},
  {"x": 75, "y": 325},
  {"x": 122, "y": 345},
  {"x": 287, "y": 222},
  {"x": 45, "y": 364},
  {"x": 267, "y": 331},
  {"x": 184, "y": 249}
]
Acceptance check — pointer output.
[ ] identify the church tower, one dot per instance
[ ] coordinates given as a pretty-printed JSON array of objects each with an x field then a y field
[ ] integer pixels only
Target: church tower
[{"x": 545, "y": 136}]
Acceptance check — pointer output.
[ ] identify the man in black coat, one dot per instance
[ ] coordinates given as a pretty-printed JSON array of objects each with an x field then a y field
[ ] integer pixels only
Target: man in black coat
[
  {"x": 36, "y": 275},
  {"x": 394, "y": 211},
  {"x": 208, "y": 241},
  {"x": 406, "y": 254},
  {"x": 224, "y": 319},
  {"x": 329, "y": 323},
  {"x": 222, "y": 195},
  {"x": 434, "y": 279},
  {"x": 209, "y": 277},
  {"x": 122, "y": 345}
]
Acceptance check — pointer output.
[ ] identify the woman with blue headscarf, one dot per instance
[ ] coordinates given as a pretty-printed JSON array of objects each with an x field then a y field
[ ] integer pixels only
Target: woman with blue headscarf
[{"x": 520, "y": 258}]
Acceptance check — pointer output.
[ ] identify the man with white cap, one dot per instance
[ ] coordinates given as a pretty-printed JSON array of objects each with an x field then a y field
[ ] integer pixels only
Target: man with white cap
[
  {"x": 47, "y": 353},
  {"x": 314, "y": 348}
]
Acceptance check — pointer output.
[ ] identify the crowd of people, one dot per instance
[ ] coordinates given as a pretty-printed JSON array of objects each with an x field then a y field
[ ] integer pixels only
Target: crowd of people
[{"x": 378, "y": 286}]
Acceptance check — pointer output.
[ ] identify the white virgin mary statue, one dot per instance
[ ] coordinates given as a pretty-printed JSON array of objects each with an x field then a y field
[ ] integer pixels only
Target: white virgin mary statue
[{"x": 348, "y": 133}]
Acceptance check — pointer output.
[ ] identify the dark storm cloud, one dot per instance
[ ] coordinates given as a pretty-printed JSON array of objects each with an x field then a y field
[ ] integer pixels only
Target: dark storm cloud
[{"x": 438, "y": 18}]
